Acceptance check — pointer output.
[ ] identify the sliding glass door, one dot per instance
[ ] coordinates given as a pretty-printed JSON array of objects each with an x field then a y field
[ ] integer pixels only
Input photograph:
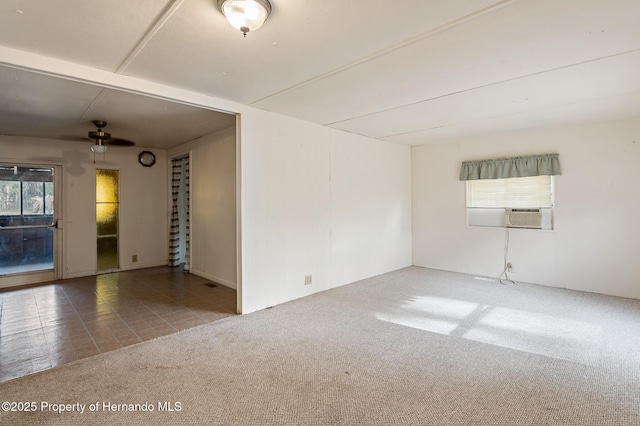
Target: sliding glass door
[{"x": 28, "y": 235}]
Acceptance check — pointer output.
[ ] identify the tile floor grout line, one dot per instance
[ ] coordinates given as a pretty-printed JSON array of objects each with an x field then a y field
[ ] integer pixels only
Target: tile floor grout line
[
  {"x": 81, "y": 321},
  {"x": 172, "y": 299},
  {"x": 120, "y": 318}
]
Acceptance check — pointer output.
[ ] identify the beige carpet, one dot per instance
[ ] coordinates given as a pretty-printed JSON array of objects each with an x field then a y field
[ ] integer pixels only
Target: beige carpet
[{"x": 415, "y": 346}]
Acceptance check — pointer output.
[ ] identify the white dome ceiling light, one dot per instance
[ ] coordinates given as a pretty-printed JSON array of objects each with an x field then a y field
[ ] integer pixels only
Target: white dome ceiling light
[{"x": 245, "y": 15}]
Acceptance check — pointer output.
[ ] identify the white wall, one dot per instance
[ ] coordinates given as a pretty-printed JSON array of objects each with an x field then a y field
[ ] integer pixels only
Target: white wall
[
  {"x": 370, "y": 207},
  {"x": 318, "y": 202},
  {"x": 213, "y": 205},
  {"x": 596, "y": 241},
  {"x": 143, "y": 215}
]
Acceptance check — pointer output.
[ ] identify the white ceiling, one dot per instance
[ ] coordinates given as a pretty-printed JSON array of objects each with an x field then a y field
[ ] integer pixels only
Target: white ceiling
[{"x": 428, "y": 70}]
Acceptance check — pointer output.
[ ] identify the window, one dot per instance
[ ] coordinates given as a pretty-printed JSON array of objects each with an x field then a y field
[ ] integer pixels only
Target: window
[
  {"x": 107, "y": 213},
  {"x": 26, "y": 219},
  {"x": 514, "y": 202},
  {"x": 26, "y": 191}
]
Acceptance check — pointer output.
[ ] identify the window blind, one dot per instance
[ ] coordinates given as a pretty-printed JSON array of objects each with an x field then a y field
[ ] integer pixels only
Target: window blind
[{"x": 524, "y": 192}]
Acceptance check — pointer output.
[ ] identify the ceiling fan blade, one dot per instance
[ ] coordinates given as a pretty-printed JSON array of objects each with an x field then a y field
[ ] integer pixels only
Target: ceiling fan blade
[
  {"x": 119, "y": 142},
  {"x": 75, "y": 138}
]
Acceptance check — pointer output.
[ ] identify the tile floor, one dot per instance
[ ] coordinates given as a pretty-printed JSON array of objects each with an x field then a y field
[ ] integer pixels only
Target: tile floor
[{"x": 55, "y": 323}]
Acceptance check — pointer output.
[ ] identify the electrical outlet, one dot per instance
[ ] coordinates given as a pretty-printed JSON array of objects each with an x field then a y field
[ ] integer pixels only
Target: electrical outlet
[
  {"x": 134, "y": 258},
  {"x": 509, "y": 267},
  {"x": 307, "y": 279}
]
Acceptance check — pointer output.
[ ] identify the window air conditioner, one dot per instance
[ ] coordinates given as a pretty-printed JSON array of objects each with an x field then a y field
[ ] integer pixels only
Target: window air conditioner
[{"x": 523, "y": 218}]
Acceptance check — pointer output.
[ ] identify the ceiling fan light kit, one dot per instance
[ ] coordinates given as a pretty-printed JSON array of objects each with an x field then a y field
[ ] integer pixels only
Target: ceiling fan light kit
[
  {"x": 245, "y": 15},
  {"x": 103, "y": 138},
  {"x": 99, "y": 148}
]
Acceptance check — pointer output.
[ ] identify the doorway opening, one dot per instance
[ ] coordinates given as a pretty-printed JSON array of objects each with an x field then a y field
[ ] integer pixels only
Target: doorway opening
[{"x": 179, "y": 232}]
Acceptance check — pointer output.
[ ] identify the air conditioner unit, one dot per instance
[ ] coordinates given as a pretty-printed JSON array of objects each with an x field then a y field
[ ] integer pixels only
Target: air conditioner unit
[{"x": 523, "y": 218}]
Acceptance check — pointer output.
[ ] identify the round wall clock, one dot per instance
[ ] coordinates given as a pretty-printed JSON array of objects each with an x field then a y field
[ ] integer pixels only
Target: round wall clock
[{"x": 146, "y": 158}]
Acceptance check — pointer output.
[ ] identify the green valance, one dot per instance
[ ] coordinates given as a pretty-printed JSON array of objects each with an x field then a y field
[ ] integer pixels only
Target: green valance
[{"x": 501, "y": 168}]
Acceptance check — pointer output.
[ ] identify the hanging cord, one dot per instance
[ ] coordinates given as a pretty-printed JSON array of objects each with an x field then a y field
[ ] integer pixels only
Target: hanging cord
[{"x": 506, "y": 280}]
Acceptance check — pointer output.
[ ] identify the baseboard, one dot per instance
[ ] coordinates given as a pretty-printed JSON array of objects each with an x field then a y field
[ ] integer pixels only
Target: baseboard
[
  {"x": 78, "y": 274},
  {"x": 128, "y": 267}
]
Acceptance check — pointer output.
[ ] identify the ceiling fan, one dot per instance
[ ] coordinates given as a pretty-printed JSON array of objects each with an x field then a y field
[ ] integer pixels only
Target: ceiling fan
[{"x": 103, "y": 138}]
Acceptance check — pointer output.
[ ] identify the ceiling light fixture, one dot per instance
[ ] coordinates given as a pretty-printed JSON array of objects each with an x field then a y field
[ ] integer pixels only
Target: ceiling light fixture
[
  {"x": 99, "y": 148},
  {"x": 245, "y": 15}
]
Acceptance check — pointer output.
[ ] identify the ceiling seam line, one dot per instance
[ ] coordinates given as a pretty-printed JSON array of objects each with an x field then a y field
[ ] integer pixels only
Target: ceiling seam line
[
  {"x": 420, "y": 130},
  {"x": 142, "y": 43},
  {"x": 467, "y": 122},
  {"x": 508, "y": 80},
  {"x": 83, "y": 117},
  {"x": 389, "y": 49}
]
